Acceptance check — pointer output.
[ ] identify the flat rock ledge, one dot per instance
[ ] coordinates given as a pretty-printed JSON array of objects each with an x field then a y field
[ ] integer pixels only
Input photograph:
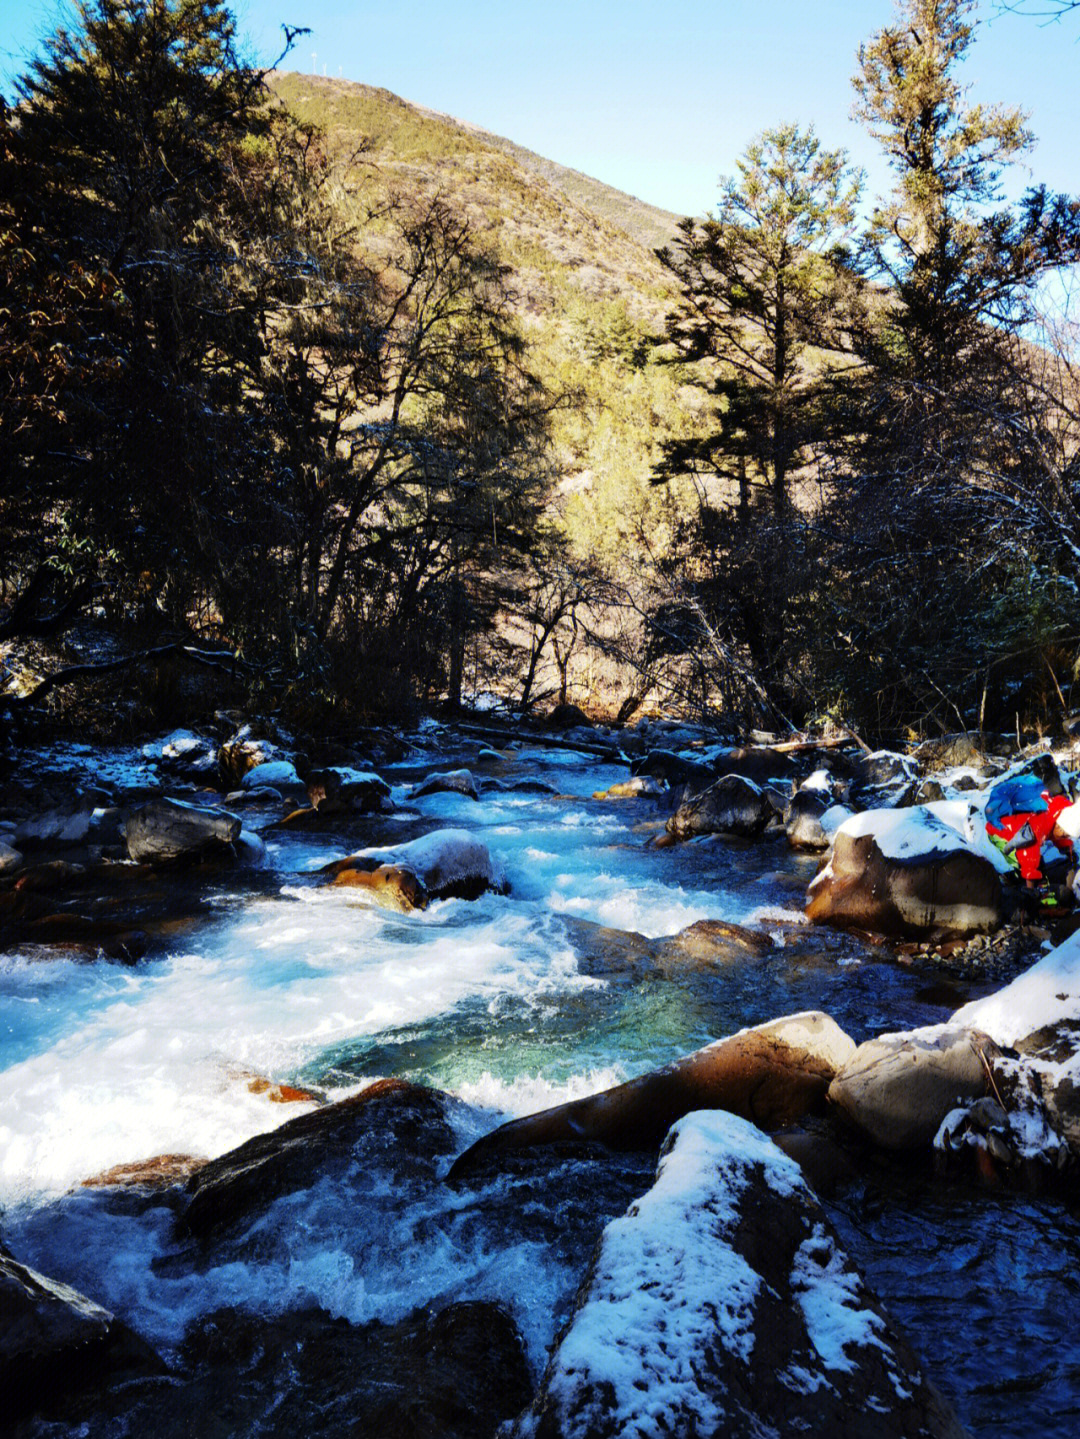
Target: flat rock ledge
[{"x": 722, "y": 1304}]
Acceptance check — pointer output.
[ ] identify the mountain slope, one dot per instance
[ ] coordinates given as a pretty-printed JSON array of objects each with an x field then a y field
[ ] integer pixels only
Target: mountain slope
[{"x": 589, "y": 291}]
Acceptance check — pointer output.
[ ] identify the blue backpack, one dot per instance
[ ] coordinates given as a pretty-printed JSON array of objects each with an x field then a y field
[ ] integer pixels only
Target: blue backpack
[{"x": 1022, "y": 794}]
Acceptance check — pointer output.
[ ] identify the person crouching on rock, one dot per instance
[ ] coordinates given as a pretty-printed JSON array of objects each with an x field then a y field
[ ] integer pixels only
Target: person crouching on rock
[{"x": 1022, "y": 815}]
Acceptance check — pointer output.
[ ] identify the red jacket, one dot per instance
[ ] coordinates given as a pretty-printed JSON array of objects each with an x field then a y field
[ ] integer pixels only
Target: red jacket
[{"x": 1042, "y": 823}]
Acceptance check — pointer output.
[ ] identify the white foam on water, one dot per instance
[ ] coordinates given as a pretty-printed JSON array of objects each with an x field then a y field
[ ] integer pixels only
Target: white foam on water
[
  {"x": 650, "y": 907},
  {"x": 529, "y": 1093},
  {"x": 152, "y": 1065}
]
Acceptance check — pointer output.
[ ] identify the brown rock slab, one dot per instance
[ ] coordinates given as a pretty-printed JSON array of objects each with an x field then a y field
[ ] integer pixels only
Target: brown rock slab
[
  {"x": 163, "y": 1171},
  {"x": 773, "y": 1075}
]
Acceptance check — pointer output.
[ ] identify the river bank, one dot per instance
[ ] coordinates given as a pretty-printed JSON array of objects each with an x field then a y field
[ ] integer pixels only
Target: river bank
[{"x": 509, "y": 1003}]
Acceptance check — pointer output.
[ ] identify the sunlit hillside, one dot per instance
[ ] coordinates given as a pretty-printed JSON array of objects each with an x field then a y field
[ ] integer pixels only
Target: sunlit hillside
[{"x": 588, "y": 288}]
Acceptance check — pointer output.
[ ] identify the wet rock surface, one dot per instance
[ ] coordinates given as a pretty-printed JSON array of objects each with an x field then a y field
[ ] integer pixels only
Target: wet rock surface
[
  {"x": 56, "y": 1344},
  {"x": 391, "y": 1117},
  {"x": 774, "y": 1074},
  {"x": 731, "y": 805}
]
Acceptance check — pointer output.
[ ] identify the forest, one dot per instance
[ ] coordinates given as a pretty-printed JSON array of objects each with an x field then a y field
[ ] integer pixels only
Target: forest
[{"x": 267, "y": 410}]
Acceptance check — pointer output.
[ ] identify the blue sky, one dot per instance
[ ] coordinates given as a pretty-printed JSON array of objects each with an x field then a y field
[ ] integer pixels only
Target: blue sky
[{"x": 657, "y": 99}]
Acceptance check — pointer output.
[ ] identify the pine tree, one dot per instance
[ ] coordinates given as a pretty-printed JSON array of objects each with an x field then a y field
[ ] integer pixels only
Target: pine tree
[{"x": 758, "y": 288}]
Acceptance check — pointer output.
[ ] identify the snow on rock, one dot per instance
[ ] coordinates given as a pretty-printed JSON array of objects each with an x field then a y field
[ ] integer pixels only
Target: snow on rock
[
  {"x": 448, "y": 861},
  {"x": 1044, "y": 995},
  {"x": 908, "y": 872},
  {"x": 277, "y": 773},
  {"x": 722, "y": 1303},
  {"x": 1037, "y": 1015}
]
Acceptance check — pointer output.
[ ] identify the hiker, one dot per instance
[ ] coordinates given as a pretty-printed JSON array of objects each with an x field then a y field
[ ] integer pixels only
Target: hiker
[{"x": 1026, "y": 812}]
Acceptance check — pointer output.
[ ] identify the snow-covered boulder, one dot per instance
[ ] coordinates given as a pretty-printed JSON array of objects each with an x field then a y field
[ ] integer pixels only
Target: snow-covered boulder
[
  {"x": 731, "y": 805},
  {"x": 773, "y": 1074},
  {"x": 447, "y": 863},
  {"x": 279, "y": 774},
  {"x": 453, "y": 781},
  {"x": 907, "y": 873},
  {"x": 1038, "y": 1017},
  {"x": 722, "y": 1303}
]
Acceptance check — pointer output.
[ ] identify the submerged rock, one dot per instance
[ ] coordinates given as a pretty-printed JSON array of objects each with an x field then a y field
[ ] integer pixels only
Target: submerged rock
[
  {"x": 164, "y": 830},
  {"x": 163, "y": 1171},
  {"x": 723, "y": 1304},
  {"x": 454, "y": 781},
  {"x": 773, "y": 1074},
  {"x": 55, "y": 1343},
  {"x": 450, "y": 1372}
]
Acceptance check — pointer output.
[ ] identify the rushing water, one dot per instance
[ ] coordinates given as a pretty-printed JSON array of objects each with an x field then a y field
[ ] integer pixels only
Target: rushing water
[{"x": 499, "y": 1002}]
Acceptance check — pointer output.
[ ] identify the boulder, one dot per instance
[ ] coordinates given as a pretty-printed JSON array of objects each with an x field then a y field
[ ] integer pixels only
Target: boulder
[
  {"x": 812, "y": 817},
  {"x": 455, "y": 781},
  {"x": 909, "y": 873},
  {"x": 950, "y": 751},
  {"x": 773, "y": 1074},
  {"x": 883, "y": 767},
  {"x": 243, "y": 752},
  {"x": 10, "y": 859},
  {"x": 1037, "y": 1017},
  {"x": 759, "y": 765},
  {"x": 641, "y": 786},
  {"x": 674, "y": 769},
  {"x": 387, "y": 885},
  {"x": 164, "y": 830},
  {"x": 279, "y": 774},
  {"x": 71, "y": 825},
  {"x": 55, "y": 1343},
  {"x": 184, "y": 752},
  {"x": 449, "y": 863},
  {"x": 712, "y": 942},
  {"x": 731, "y": 806},
  {"x": 568, "y": 716},
  {"x": 391, "y": 1115},
  {"x": 342, "y": 790},
  {"x": 899, "y": 1088},
  {"x": 454, "y": 1371},
  {"x": 722, "y": 1303}
]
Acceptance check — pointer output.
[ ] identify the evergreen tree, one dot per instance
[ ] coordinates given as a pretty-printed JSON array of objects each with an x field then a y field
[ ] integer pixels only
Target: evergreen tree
[
  {"x": 918, "y": 557},
  {"x": 759, "y": 286}
]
